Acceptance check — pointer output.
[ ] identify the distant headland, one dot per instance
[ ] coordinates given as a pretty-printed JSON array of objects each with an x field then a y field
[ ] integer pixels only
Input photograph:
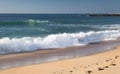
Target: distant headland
[{"x": 103, "y": 14}]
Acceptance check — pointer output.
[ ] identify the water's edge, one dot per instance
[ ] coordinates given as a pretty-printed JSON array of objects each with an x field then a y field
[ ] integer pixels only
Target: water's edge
[{"x": 21, "y": 59}]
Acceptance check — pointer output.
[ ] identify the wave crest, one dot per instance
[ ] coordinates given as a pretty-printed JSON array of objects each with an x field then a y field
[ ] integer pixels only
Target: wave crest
[
  {"x": 12, "y": 45},
  {"x": 32, "y": 21}
]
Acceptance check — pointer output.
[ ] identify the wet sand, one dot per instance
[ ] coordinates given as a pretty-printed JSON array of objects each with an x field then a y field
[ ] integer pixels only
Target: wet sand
[
  {"x": 21, "y": 59},
  {"x": 101, "y": 63}
]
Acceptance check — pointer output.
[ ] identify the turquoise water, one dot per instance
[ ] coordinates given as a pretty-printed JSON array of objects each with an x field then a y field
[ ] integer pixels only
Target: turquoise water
[
  {"x": 29, "y": 32},
  {"x": 31, "y": 25}
]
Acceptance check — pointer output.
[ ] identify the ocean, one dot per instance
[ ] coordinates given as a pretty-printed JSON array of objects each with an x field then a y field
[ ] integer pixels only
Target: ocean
[{"x": 31, "y": 32}]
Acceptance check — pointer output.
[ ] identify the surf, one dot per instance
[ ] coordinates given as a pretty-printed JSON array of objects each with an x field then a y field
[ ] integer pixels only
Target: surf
[
  {"x": 22, "y": 22},
  {"x": 25, "y": 44}
]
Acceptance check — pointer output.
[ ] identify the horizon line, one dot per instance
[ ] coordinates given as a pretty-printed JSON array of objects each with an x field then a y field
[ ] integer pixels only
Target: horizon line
[{"x": 59, "y": 13}]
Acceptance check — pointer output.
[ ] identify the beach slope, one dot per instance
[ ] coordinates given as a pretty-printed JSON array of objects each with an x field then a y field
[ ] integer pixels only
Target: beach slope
[{"x": 102, "y": 63}]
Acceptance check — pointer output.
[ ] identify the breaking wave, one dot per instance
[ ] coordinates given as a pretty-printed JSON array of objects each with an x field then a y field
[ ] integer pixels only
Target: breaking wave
[
  {"x": 104, "y": 27},
  {"x": 13, "y": 45},
  {"x": 32, "y": 21},
  {"x": 29, "y": 21}
]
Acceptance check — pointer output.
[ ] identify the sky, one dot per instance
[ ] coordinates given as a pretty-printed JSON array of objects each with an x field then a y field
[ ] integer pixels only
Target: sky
[{"x": 59, "y": 6}]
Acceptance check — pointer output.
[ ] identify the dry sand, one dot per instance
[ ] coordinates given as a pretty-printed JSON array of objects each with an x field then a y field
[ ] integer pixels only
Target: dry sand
[{"x": 103, "y": 63}]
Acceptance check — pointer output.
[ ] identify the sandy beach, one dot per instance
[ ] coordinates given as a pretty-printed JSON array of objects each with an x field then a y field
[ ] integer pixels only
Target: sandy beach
[
  {"x": 59, "y": 37},
  {"x": 107, "y": 62}
]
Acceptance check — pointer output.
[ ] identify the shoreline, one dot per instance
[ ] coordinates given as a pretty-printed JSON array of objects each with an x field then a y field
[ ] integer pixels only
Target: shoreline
[
  {"x": 44, "y": 56},
  {"x": 107, "y": 62}
]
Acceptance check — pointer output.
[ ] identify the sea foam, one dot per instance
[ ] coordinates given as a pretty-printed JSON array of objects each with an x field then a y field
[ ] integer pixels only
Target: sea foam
[
  {"x": 32, "y": 21},
  {"x": 13, "y": 45},
  {"x": 107, "y": 27}
]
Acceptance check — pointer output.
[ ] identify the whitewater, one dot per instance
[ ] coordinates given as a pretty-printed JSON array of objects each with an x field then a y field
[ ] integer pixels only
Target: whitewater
[
  {"x": 31, "y": 32},
  {"x": 13, "y": 45}
]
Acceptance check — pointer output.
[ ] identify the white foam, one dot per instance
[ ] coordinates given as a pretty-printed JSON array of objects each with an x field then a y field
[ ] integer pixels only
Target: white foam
[
  {"x": 107, "y": 27},
  {"x": 111, "y": 27},
  {"x": 32, "y": 21},
  {"x": 12, "y": 45}
]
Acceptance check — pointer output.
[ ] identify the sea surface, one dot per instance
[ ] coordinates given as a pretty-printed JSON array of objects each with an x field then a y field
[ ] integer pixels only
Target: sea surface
[{"x": 30, "y": 32}]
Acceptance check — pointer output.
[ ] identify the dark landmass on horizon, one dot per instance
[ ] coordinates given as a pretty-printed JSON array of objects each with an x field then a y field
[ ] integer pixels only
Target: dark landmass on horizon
[{"x": 103, "y": 14}]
